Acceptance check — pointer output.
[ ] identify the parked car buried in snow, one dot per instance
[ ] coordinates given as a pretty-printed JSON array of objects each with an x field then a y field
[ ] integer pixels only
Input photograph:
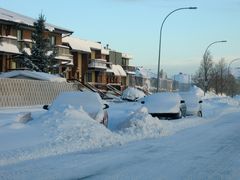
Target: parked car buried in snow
[
  {"x": 132, "y": 94},
  {"x": 91, "y": 103},
  {"x": 165, "y": 105},
  {"x": 193, "y": 100}
]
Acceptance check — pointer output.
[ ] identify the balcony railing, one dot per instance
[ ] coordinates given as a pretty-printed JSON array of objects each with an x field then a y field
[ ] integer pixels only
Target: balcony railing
[
  {"x": 63, "y": 54},
  {"x": 97, "y": 63},
  {"x": 9, "y": 44},
  {"x": 129, "y": 68}
]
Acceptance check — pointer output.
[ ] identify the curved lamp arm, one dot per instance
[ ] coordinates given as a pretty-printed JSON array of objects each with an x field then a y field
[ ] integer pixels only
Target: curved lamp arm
[{"x": 160, "y": 40}]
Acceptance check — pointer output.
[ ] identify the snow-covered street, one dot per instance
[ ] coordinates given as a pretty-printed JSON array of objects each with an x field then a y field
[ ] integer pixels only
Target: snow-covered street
[{"x": 137, "y": 146}]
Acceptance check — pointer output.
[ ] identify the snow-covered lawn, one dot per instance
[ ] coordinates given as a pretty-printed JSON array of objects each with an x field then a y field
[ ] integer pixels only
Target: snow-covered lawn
[{"x": 69, "y": 144}]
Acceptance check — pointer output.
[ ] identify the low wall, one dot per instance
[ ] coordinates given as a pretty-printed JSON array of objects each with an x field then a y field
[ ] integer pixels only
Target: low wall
[{"x": 23, "y": 92}]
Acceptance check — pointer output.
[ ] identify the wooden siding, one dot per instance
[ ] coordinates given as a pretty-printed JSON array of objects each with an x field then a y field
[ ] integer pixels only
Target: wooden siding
[{"x": 27, "y": 34}]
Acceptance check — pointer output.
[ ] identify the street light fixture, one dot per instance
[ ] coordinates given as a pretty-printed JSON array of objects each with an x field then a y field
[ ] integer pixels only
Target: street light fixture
[
  {"x": 160, "y": 39},
  {"x": 204, "y": 56},
  {"x": 237, "y": 59},
  {"x": 230, "y": 77},
  {"x": 211, "y": 45}
]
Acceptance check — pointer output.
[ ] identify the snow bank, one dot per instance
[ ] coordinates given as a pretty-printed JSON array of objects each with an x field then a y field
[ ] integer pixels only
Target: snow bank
[
  {"x": 70, "y": 129},
  {"x": 33, "y": 74},
  {"x": 132, "y": 94},
  {"x": 214, "y": 105}
]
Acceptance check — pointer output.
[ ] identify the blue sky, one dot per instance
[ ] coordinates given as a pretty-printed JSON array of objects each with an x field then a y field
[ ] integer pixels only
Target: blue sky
[{"x": 132, "y": 26}]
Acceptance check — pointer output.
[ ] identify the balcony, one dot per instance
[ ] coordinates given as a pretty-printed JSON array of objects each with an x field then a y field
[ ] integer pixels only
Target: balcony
[
  {"x": 130, "y": 69},
  {"x": 25, "y": 45},
  {"x": 9, "y": 45},
  {"x": 63, "y": 54},
  {"x": 97, "y": 64}
]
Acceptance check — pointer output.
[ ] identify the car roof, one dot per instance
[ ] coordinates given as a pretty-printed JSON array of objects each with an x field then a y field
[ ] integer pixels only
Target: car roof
[{"x": 90, "y": 101}]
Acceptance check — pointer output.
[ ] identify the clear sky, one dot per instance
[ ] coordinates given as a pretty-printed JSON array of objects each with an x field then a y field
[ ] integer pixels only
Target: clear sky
[{"x": 132, "y": 26}]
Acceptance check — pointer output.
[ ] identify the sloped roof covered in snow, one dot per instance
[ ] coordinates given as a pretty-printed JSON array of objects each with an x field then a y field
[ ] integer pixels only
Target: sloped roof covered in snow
[
  {"x": 118, "y": 70},
  {"x": 10, "y": 16},
  {"x": 77, "y": 44},
  {"x": 127, "y": 56},
  {"x": 32, "y": 75},
  {"x": 145, "y": 73},
  {"x": 105, "y": 51}
]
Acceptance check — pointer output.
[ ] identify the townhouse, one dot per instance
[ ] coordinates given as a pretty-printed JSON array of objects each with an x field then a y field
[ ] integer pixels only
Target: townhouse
[
  {"x": 86, "y": 61},
  {"x": 99, "y": 65},
  {"x": 16, "y": 36}
]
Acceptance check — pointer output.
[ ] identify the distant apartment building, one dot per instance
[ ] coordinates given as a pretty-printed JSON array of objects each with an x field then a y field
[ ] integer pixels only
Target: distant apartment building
[
  {"x": 182, "y": 82},
  {"x": 16, "y": 37}
]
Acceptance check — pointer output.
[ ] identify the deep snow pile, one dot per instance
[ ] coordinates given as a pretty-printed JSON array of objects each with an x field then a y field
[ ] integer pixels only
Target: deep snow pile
[
  {"x": 214, "y": 105},
  {"x": 71, "y": 129}
]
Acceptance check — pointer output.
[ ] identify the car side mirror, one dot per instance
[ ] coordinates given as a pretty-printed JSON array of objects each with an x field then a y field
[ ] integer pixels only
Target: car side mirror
[
  {"x": 142, "y": 102},
  {"x": 45, "y": 107},
  {"x": 106, "y": 106},
  {"x": 200, "y": 101},
  {"x": 182, "y": 101}
]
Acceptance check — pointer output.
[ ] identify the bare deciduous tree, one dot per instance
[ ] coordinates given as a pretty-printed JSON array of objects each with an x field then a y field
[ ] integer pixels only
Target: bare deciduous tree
[
  {"x": 202, "y": 78},
  {"x": 219, "y": 77}
]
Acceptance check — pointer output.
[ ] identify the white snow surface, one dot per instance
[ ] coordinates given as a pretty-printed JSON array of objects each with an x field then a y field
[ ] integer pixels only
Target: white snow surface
[
  {"x": 192, "y": 98},
  {"x": 33, "y": 74},
  {"x": 22, "y": 19},
  {"x": 66, "y": 143},
  {"x": 162, "y": 102},
  {"x": 132, "y": 94},
  {"x": 145, "y": 73},
  {"x": 6, "y": 46},
  {"x": 118, "y": 70}
]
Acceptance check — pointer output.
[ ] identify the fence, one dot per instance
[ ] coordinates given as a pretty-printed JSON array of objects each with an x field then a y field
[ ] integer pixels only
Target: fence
[{"x": 23, "y": 92}]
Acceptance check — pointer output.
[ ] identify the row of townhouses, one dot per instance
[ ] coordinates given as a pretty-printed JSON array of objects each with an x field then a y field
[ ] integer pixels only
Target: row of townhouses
[{"x": 82, "y": 60}]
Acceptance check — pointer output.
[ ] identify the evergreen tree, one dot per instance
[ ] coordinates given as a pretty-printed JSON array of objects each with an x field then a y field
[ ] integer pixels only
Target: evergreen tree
[
  {"x": 41, "y": 47},
  {"x": 25, "y": 61}
]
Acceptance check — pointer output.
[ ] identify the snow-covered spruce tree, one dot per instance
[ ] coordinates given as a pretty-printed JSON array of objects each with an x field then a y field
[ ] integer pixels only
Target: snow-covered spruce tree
[
  {"x": 25, "y": 61},
  {"x": 41, "y": 46}
]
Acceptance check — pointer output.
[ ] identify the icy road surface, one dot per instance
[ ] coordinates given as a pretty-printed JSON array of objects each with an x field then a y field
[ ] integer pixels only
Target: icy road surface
[{"x": 207, "y": 151}]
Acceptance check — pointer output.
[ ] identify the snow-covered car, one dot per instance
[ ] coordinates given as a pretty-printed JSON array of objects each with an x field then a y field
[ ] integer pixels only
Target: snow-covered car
[
  {"x": 168, "y": 105},
  {"x": 193, "y": 100},
  {"x": 132, "y": 94},
  {"x": 91, "y": 103}
]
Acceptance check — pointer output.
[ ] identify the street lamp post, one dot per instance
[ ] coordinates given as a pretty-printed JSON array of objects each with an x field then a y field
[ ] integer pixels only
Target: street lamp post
[
  {"x": 160, "y": 39},
  {"x": 237, "y": 59},
  {"x": 229, "y": 78},
  {"x": 204, "y": 56}
]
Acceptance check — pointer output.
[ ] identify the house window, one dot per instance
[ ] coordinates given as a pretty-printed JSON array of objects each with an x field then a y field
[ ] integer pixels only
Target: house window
[
  {"x": 89, "y": 78},
  {"x": 0, "y": 29},
  {"x": 19, "y": 35},
  {"x": 53, "y": 40},
  {"x": 8, "y": 30}
]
